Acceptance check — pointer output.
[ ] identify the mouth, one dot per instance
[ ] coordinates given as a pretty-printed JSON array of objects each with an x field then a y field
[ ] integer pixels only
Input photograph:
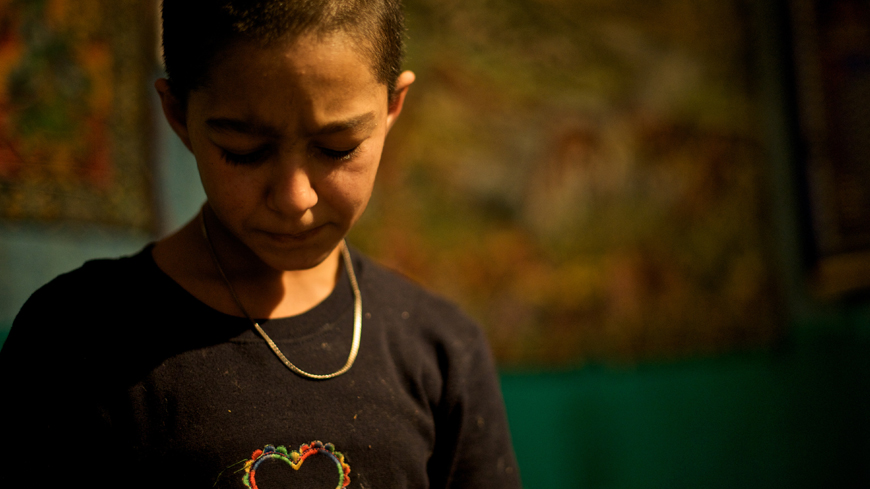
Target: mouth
[{"x": 295, "y": 237}]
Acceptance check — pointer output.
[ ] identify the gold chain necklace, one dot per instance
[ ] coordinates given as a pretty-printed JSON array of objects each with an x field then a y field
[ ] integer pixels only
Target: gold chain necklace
[{"x": 357, "y": 311}]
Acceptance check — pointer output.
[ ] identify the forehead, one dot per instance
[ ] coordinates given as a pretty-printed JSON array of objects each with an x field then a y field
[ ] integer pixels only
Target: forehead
[
  {"x": 312, "y": 47},
  {"x": 320, "y": 77}
]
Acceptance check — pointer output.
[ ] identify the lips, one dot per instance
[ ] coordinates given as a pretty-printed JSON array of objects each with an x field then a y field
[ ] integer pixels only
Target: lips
[{"x": 295, "y": 237}]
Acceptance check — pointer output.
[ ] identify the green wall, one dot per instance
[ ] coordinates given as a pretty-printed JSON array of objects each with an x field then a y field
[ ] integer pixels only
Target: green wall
[{"x": 795, "y": 416}]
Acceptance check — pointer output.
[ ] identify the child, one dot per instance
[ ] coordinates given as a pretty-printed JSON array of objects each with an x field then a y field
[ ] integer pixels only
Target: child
[{"x": 252, "y": 348}]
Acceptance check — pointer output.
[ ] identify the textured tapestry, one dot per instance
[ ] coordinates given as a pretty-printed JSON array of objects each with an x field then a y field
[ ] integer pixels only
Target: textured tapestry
[
  {"x": 74, "y": 114},
  {"x": 831, "y": 41},
  {"x": 584, "y": 177}
]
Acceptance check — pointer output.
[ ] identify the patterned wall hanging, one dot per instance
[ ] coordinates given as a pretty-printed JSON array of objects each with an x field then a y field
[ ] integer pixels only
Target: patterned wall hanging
[{"x": 75, "y": 121}]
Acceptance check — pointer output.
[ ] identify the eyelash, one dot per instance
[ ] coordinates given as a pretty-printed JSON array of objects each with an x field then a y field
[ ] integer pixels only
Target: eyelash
[
  {"x": 338, "y": 155},
  {"x": 246, "y": 158},
  {"x": 260, "y": 154}
]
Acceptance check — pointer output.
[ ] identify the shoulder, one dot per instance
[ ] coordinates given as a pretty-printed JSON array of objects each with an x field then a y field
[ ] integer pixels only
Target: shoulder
[
  {"x": 74, "y": 304},
  {"x": 399, "y": 296},
  {"x": 94, "y": 280},
  {"x": 73, "y": 326},
  {"x": 444, "y": 356},
  {"x": 103, "y": 269},
  {"x": 419, "y": 326}
]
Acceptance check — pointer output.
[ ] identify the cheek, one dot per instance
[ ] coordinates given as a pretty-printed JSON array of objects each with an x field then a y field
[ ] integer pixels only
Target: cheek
[
  {"x": 220, "y": 180},
  {"x": 228, "y": 191},
  {"x": 351, "y": 189}
]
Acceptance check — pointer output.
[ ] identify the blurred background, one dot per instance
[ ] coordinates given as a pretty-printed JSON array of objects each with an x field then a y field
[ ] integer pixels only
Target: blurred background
[{"x": 659, "y": 211}]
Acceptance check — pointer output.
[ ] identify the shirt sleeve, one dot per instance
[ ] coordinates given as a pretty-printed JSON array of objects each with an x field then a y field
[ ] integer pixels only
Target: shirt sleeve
[
  {"x": 473, "y": 446},
  {"x": 51, "y": 430}
]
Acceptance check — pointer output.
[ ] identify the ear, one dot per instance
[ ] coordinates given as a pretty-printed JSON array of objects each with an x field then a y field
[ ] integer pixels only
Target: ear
[
  {"x": 402, "y": 83},
  {"x": 174, "y": 110}
]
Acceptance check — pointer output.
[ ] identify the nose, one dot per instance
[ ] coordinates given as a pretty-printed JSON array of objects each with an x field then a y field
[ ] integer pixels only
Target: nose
[{"x": 291, "y": 190}]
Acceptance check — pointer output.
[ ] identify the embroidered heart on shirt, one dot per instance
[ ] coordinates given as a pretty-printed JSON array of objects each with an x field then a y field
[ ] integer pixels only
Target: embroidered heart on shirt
[{"x": 295, "y": 459}]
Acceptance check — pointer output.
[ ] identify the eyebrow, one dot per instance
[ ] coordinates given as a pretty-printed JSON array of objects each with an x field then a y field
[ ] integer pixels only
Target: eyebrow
[
  {"x": 226, "y": 124},
  {"x": 360, "y": 121}
]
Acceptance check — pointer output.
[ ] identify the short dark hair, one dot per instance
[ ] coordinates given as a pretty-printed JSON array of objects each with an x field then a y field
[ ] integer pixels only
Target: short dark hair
[{"x": 195, "y": 31}]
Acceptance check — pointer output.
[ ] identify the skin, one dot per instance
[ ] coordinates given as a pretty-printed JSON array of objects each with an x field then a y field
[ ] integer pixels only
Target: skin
[{"x": 287, "y": 140}]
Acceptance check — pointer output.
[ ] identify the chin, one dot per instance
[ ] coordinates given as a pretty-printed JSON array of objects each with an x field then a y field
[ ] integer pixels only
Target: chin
[{"x": 302, "y": 259}]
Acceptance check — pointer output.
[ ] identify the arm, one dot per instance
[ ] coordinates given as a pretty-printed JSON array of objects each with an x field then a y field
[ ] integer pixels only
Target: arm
[
  {"x": 473, "y": 446},
  {"x": 51, "y": 431}
]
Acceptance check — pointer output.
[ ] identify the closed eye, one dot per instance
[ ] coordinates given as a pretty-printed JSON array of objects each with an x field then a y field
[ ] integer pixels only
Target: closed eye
[
  {"x": 250, "y": 158},
  {"x": 338, "y": 155}
]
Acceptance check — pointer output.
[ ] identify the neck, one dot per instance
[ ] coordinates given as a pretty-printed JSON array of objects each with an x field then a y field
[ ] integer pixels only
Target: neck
[{"x": 263, "y": 291}]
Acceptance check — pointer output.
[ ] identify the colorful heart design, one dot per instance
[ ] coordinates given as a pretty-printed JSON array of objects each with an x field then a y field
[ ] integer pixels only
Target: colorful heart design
[{"x": 295, "y": 459}]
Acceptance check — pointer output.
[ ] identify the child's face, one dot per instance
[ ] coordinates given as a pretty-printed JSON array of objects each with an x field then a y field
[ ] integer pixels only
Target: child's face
[{"x": 288, "y": 140}]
